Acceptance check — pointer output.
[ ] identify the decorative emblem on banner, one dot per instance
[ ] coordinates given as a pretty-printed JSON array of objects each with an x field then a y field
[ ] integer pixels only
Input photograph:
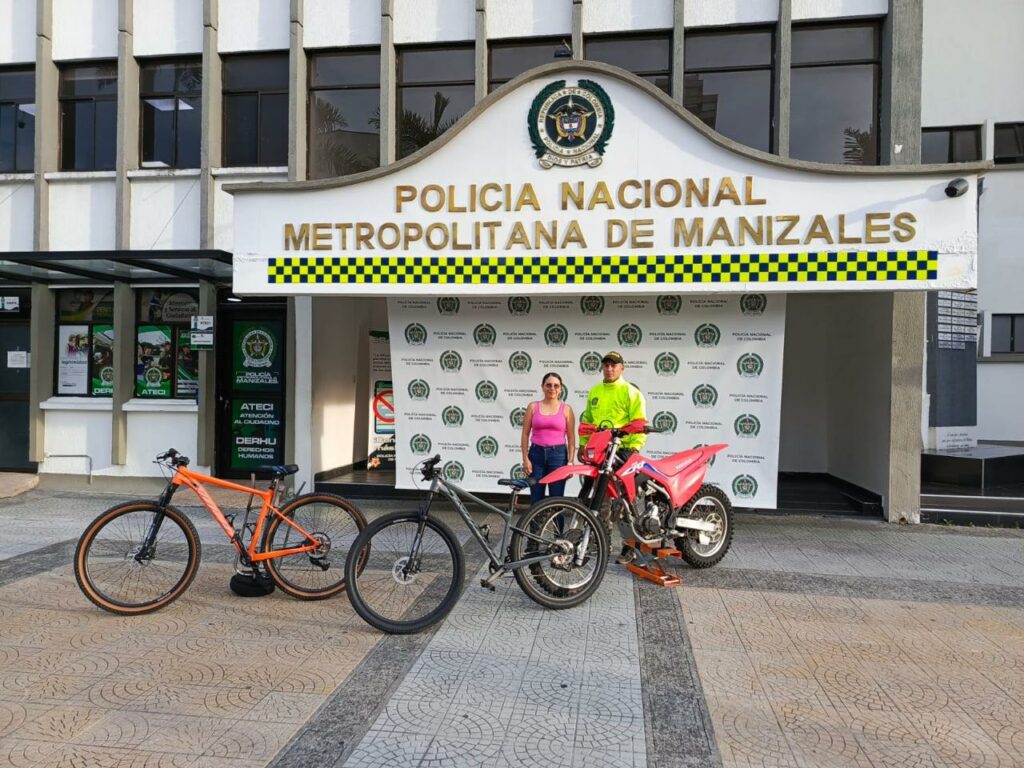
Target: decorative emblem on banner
[
  {"x": 519, "y": 305},
  {"x": 520, "y": 362},
  {"x": 487, "y": 447},
  {"x": 153, "y": 376},
  {"x": 753, "y": 303},
  {"x": 750, "y": 365},
  {"x": 257, "y": 349},
  {"x": 571, "y": 125},
  {"x": 451, "y": 416},
  {"x": 590, "y": 362},
  {"x": 450, "y": 360},
  {"x": 747, "y": 425},
  {"x": 107, "y": 375},
  {"x": 630, "y": 335},
  {"x": 415, "y": 335},
  {"x": 555, "y": 335},
  {"x": 516, "y": 473},
  {"x": 448, "y": 305},
  {"x": 707, "y": 335},
  {"x": 666, "y": 364},
  {"x": 744, "y": 487},
  {"x": 669, "y": 304},
  {"x": 453, "y": 471},
  {"x": 484, "y": 335},
  {"x": 419, "y": 390},
  {"x": 705, "y": 396},
  {"x": 486, "y": 391},
  {"x": 711, "y": 461},
  {"x": 517, "y": 417},
  {"x": 665, "y": 421},
  {"x": 592, "y": 305},
  {"x": 420, "y": 445}
]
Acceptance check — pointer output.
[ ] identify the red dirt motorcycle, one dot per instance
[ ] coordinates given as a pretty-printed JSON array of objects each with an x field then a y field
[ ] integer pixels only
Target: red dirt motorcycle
[{"x": 657, "y": 502}]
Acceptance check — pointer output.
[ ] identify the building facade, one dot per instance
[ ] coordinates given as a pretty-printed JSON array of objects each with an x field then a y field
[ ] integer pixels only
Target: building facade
[{"x": 121, "y": 123}]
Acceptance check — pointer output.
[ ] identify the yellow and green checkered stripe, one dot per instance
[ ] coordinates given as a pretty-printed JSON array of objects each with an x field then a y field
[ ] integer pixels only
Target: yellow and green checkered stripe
[{"x": 814, "y": 267}]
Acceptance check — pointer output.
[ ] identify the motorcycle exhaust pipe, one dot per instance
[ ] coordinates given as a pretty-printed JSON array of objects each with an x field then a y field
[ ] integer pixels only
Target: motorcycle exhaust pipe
[{"x": 696, "y": 525}]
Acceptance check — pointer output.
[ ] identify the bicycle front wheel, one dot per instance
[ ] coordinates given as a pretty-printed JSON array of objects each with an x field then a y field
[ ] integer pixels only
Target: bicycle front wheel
[
  {"x": 119, "y": 573},
  {"x": 332, "y": 521},
  {"x": 408, "y": 581}
]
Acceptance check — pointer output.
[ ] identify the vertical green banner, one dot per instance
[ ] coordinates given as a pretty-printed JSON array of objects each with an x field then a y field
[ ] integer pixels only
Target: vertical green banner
[
  {"x": 257, "y": 359},
  {"x": 101, "y": 366},
  {"x": 255, "y": 432},
  {"x": 154, "y": 361},
  {"x": 186, "y": 380}
]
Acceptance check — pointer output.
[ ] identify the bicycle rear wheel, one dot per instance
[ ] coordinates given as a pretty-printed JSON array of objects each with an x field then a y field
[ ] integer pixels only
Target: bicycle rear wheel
[
  {"x": 117, "y": 575},
  {"x": 407, "y": 582},
  {"x": 319, "y": 574},
  {"x": 566, "y": 529}
]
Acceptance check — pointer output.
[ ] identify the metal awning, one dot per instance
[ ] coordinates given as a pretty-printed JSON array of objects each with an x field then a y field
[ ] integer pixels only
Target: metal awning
[{"x": 75, "y": 267}]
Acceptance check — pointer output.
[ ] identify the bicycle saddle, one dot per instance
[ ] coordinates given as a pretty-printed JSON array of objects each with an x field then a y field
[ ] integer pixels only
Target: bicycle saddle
[
  {"x": 517, "y": 484},
  {"x": 279, "y": 470}
]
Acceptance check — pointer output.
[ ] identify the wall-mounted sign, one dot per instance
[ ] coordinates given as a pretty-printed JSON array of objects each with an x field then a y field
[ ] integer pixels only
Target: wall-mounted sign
[
  {"x": 256, "y": 433},
  {"x": 257, "y": 355},
  {"x": 17, "y": 359},
  {"x": 10, "y": 303},
  {"x": 202, "y": 322},
  {"x": 73, "y": 360}
]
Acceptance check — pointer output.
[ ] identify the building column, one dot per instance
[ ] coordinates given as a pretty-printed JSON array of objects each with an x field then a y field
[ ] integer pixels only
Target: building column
[
  {"x": 47, "y": 143},
  {"x": 482, "y": 74},
  {"x": 210, "y": 131},
  {"x": 678, "y": 41},
  {"x": 901, "y": 145},
  {"x": 781, "y": 90},
  {"x": 127, "y": 123},
  {"x": 577, "y": 29},
  {"x": 388, "y": 84},
  {"x": 298, "y": 76},
  {"x": 124, "y": 370},
  {"x": 40, "y": 373},
  {"x": 299, "y": 390},
  {"x": 207, "y": 396}
]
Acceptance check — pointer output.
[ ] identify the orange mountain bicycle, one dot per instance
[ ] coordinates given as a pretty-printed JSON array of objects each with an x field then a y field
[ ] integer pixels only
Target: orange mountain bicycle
[{"x": 139, "y": 556}]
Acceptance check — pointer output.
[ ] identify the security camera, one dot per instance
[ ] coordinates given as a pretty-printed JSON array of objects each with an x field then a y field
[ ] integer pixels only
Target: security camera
[{"x": 957, "y": 187}]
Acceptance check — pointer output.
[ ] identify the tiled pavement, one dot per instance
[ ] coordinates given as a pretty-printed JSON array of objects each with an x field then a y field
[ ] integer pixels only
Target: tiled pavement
[{"x": 815, "y": 643}]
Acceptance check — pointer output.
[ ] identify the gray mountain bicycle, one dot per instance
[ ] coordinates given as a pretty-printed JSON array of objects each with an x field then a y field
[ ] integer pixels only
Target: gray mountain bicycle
[{"x": 413, "y": 564}]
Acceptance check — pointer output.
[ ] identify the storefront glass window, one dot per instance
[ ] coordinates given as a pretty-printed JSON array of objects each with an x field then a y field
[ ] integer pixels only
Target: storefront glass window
[
  {"x": 648, "y": 56},
  {"x": 1009, "y": 143},
  {"x": 435, "y": 88},
  {"x": 728, "y": 83},
  {"x": 951, "y": 145},
  {"x": 344, "y": 113},
  {"x": 85, "y": 337},
  {"x": 17, "y": 120},
  {"x": 510, "y": 58},
  {"x": 166, "y": 366},
  {"x": 171, "y": 113},
  {"x": 88, "y": 117},
  {"x": 256, "y": 110},
  {"x": 834, "y": 85}
]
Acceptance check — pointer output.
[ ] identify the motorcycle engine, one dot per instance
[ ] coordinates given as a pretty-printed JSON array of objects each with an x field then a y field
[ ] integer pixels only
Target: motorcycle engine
[{"x": 646, "y": 514}]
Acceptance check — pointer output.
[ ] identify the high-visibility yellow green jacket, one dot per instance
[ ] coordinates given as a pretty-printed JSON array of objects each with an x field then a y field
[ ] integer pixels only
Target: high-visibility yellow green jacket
[{"x": 615, "y": 405}]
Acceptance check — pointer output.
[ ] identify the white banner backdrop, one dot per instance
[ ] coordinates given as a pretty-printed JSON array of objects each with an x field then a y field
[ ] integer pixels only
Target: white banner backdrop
[{"x": 710, "y": 367}]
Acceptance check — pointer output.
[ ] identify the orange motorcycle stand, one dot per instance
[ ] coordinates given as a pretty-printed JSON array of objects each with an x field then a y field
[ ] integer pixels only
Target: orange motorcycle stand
[{"x": 645, "y": 564}]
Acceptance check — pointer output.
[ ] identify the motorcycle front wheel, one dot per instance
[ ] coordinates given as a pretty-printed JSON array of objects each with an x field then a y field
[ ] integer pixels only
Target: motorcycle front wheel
[
  {"x": 710, "y": 505},
  {"x": 565, "y": 528}
]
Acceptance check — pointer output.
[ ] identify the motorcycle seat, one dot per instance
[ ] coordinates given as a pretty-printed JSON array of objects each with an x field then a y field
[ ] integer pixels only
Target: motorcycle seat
[{"x": 676, "y": 463}]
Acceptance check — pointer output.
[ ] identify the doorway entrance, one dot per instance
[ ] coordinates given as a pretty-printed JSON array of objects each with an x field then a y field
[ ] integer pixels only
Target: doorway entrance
[{"x": 15, "y": 311}]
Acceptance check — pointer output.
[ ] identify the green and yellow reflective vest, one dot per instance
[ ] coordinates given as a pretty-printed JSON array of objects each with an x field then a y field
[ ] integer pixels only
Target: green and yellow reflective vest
[{"x": 615, "y": 405}]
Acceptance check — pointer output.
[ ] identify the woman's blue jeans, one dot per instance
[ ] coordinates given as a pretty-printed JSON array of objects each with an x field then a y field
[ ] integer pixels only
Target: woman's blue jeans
[{"x": 547, "y": 459}]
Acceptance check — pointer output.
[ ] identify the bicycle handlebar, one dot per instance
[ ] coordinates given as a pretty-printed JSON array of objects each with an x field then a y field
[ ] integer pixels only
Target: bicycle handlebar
[
  {"x": 175, "y": 458},
  {"x": 429, "y": 465}
]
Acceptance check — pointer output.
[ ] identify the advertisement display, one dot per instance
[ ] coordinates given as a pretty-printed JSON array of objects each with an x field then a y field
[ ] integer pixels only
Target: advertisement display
[
  {"x": 710, "y": 368},
  {"x": 257, "y": 358},
  {"x": 73, "y": 360},
  {"x": 186, "y": 379},
  {"x": 102, "y": 363},
  {"x": 154, "y": 361},
  {"x": 381, "y": 443},
  {"x": 256, "y": 433}
]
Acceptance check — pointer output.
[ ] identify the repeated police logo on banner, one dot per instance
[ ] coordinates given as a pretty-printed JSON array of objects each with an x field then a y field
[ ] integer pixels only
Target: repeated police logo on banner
[
  {"x": 420, "y": 445},
  {"x": 415, "y": 335},
  {"x": 555, "y": 335},
  {"x": 707, "y": 335},
  {"x": 484, "y": 335},
  {"x": 670, "y": 304},
  {"x": 753, "y": 303},
  {"x": 452, "y": 416},
  {"x": 517, "y": 417},
  {"x": 747, "y": 426},
  {"x": 448, "y": 305},
  {"x": 450, "y": 361},
  {"x": 592, "y": 305},
  {"x": 630, "y": 335},
  {"x": 453, "y": 471},
  {"x": 666, "y": 364},
  {"x": 487, "y": 447},
  {"x": 744, "y": 487},
  {"x": 519, "y": 306},
  {"x": 486, "y": 391},
  {"x": 520, "y": 362},
  {"x": 750, "y": 365},
  {"x": 665, "y": 421},
  {"x": 705, "y": 396},
  {"x": 419, "y": 390},
  {"x": 590, "y": 363}
]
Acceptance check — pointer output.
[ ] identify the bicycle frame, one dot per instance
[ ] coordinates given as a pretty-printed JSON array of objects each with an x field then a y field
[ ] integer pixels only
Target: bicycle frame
[{"x": 183, "y": 476}]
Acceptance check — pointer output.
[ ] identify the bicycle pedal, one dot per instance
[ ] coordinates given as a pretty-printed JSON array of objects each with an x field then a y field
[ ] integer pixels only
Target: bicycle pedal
[
  {"x": 322, "y": 565},
  {"x": 486, "y": 584}
]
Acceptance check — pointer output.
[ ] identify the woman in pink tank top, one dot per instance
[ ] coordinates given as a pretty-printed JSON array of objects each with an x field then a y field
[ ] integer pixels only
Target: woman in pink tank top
[{"x": 549, "y": 437}]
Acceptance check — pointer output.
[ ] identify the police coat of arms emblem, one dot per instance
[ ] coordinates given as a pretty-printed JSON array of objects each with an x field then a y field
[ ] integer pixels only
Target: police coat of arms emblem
[{"x": 571, "y": 125}]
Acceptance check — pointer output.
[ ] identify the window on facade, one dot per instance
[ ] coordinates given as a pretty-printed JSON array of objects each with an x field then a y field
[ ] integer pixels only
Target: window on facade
[
  {"x": 171, "y": 108},
  {"x": 647, "y": 56},
  {"x": 513, "y": 57},
  {"x": 344, "y": 113},
  {"x": 435, "y": 88},
  {"x": 728, "y": 83},
  {"x": 1007, "y": 333},
  {"x": 17, "y": 120},
  {"x": 256, "y": 110},
  {"x": 88, "y": 117},
  {"x": 834, "y": 85},
  {"x": 166, "y": 366},
  {"x": 951, "y": 145},
  {"x": 85, "y": 342},
  {"x": 1009, "y": 143}
]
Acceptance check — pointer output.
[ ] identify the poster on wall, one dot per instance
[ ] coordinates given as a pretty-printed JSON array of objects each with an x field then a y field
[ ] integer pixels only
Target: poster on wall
[
  {"x": 710, "y": 367},
  {"x": 381, "y": 442},
  {"x": 186, "y": 379},
  {"x": 101, "y": 374},
  {"x": 258, "y": 361},
  {"x": 255, "y": 433},
  {"x": 73, "y": 360},
  {"x": 154, "y": 361}
]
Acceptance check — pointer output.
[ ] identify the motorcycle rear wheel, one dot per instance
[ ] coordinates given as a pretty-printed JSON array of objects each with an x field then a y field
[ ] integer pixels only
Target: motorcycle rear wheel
[{"x": 711, "y": 505}]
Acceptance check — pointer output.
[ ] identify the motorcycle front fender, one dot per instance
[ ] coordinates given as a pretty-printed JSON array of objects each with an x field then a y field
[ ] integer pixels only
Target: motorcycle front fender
[{"x": 569, "y": 470}]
